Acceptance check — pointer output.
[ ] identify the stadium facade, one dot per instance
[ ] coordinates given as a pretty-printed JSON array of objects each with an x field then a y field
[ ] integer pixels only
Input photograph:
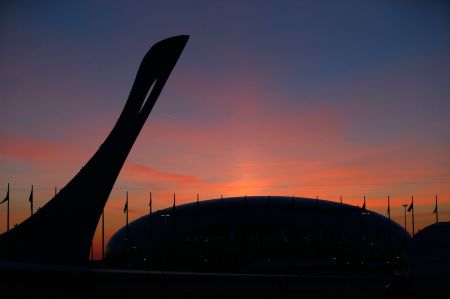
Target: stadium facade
[{"x": 259, "y": 234}]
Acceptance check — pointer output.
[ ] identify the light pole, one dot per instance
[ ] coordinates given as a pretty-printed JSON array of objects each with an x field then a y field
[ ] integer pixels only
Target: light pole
[
  {"x": 404, "y": 209},
  {"x": 165, "y": 215}
]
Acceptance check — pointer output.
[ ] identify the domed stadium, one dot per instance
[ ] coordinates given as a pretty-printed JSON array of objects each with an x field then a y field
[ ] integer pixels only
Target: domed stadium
[{"x": 259, "y": 234}]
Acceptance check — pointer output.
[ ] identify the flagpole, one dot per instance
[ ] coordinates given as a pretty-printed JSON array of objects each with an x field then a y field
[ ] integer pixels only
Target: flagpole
[
  {"x": 31, "y": 200},
  {"x": 126, "y": 215},
  {"x": 341, "y": 229},
  {"x": 406, "y": 231},
  {"x": 221, "y": 209},
  {"x": 404, "y": 208},
  {"x": 292, "y": 211},
  {"x": 317, "y": 222},
  {"x": 7, "y": 212},
  {"x": 127, "y": 241},
  {"x": 436, "y": 209},
  {"x": 103, "y": 234},
  {"x": 150, "y": 225},
  {"x": 389, "y": 228},
  {"x": 7, "y": 208},
  {"x": 389, "y": 209},
  {"x": 197, "y": 211},
  {"x": 173, "y": 214},
  {"x": 366, "y": 240},
  {"x": 150, "y": 208},
  {"x": 412, "y": 203}
]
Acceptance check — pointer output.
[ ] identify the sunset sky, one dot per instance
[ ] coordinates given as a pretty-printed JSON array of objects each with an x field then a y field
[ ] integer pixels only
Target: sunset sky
[{"x": 304, "y": 98}]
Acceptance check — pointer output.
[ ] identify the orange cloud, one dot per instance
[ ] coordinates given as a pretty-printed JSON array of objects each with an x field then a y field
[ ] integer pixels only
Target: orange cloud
[
  {"x": 141, "y": 174},
  {"x": 243, "y": 136},
  {"x": 31, "y": 149}
]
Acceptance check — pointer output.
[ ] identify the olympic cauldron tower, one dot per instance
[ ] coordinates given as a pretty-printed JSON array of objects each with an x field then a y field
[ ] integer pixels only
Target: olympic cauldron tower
[{"x": 61, "y": 232}]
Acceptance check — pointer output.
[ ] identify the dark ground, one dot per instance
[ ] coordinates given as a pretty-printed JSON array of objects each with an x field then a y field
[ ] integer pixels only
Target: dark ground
[{"x": 25, "y": 281}]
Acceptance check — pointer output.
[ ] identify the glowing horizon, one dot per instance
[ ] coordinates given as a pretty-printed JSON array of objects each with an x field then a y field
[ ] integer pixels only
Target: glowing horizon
[{"x": 301, "y": 99}]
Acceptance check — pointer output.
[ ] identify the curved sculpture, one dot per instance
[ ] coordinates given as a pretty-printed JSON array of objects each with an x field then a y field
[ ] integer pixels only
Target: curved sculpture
[{"x": 62, "y": 230}]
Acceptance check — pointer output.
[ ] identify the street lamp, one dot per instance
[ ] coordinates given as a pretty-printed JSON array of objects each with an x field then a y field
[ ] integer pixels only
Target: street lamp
[
  {"x": 165, "y": 228},
  {"x": 165, "y": 218},
  {"x": 404, "y": 209}
]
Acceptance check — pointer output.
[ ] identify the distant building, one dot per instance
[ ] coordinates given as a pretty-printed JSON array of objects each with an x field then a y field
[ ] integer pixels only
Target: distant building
[
  {"x": 259, "y": 234},
  {"x": 428, "y": 253}
]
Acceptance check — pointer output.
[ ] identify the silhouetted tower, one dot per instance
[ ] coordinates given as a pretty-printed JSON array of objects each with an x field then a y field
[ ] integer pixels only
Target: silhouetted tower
[{"x": 62, "y": 230}]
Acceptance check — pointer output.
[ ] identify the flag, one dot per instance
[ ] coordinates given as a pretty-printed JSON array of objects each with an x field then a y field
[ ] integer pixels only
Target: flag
[
  {"x": 7, "y": 196},
  {"x": 389, "y": 206},
  {"x": 411, "y": 207},
  {"x": 435, "y": 207},
  {"x": 30, "y": 199},
  {"x": 436, "y": 210},
  {"x": 150, "y": 203},
  {"x": 125, "y": 208}
]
